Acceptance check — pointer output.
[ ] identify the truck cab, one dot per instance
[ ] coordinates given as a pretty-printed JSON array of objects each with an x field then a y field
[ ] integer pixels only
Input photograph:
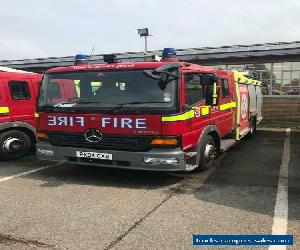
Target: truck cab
[
  {"x": 18, "y": 94},
  {"x": 166, "y": 116}
]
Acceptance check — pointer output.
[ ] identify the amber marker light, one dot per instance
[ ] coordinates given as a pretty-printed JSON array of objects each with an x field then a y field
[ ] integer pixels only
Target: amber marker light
[
  {"x": 163, "y": 142},
  {"x": 41, "y": 136}
]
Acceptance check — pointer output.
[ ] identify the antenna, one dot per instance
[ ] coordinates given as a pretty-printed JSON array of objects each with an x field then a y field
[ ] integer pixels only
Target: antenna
[{"x": 93, "y": 49}]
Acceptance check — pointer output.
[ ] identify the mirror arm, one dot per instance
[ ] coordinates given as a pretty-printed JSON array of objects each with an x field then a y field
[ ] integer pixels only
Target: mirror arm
[
  {"x": 215, "y": 95},
  {"x": 187, "y": 107}
]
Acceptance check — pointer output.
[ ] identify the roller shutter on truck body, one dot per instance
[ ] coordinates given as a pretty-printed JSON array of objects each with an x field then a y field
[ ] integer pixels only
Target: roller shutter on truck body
[
  {"x": 258, "y": 102},
  {"x": 253, "y": 99}
]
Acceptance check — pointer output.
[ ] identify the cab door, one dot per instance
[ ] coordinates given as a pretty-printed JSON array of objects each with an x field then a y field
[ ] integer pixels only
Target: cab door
[
  {"x": 222, "y": 114},
  {"x": 226, "y": 105},
  {"x": 194, "y": 99},
  {"x": 21, "y": 99}
]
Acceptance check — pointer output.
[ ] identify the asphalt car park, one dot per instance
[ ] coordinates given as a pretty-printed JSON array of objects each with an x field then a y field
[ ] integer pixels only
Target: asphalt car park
[{"x": 45, "y": 205}]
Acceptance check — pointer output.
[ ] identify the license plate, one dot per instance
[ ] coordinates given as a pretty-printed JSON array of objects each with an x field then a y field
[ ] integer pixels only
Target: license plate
[{"x": 94, "y": 155}]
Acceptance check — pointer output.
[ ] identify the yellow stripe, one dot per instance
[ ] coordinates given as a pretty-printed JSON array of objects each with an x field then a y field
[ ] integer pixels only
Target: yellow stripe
[
  {"x": 227, "y": 105},
  {"x": 204, "y": 110},
  {"x": 182, "y": 117},
  {"x": 36, "y": 115},
  {"x": 4, "y": 110},
  {"x": 241, "y": 79}
]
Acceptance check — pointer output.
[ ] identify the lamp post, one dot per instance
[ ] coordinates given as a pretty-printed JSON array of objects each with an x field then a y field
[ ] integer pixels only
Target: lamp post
[{"x": 144, "y": 33}]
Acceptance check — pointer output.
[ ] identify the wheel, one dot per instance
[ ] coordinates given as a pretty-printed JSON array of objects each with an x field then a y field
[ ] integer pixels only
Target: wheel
[
  {"x": 14, "y": 144},
  {"x": 208, "y": 152}
]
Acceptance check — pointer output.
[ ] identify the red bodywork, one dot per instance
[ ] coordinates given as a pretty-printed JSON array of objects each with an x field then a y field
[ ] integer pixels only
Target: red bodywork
[
  {"x": 188, "y": 129},
  {"x": 19, "y": 110}
]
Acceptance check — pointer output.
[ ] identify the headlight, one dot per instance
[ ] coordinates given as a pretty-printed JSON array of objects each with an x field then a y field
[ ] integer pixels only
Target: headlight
[{"x": 158, "y": 161}]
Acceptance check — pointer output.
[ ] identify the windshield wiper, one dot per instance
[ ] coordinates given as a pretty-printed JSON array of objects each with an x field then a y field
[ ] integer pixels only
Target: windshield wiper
[
  {"x": 74, "y": 102},
  {"x": 123, "y": 105}
]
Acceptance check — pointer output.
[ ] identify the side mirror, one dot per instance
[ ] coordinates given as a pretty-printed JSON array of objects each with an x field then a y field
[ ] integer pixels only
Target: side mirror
[
  {"x": 209, "y": 95},
  {"x": 210, "y": 99},
  {"x": 213, "y": 79}
]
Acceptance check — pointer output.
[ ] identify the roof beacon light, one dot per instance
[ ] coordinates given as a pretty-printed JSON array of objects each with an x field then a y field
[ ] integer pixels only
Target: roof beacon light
[
  {"x": 169, "y": 54},
  {"x": 81, "y": 59},
  {"x": 110, "y": 58}
]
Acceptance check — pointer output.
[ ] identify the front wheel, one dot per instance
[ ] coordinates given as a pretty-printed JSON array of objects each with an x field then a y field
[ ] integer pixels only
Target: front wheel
[
  {"x": 14, "y": 144},
  {"x": 208, "y": 152}
]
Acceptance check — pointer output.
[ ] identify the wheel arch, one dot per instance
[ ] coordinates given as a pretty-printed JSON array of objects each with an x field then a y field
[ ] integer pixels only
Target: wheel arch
[
  {"x": 213, "y": 131},
  {"x": 20, "y": 126}
]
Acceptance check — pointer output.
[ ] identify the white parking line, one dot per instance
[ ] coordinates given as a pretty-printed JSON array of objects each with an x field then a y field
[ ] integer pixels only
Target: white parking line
[
  {"x": 280, "y": 221},
  {"x": 28, "y": 172}
]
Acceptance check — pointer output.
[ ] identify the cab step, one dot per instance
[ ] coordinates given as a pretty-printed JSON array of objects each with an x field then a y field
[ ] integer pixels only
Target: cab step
[
  {"x": 226, "y": 144},
  {"x": 244, "y": 132}
]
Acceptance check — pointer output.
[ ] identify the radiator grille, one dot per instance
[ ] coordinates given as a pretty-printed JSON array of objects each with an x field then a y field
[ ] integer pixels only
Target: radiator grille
[{"x": 113, "y": 142}]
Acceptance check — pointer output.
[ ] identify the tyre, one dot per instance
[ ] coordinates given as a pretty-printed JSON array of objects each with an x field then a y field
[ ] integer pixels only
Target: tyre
[
  {"x": 208, "y": 152},
  {"x": 14, "y": 144}
]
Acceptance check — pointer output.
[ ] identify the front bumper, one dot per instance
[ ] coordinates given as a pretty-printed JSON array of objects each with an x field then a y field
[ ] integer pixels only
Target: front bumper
[{"x": 121, "y": 159}]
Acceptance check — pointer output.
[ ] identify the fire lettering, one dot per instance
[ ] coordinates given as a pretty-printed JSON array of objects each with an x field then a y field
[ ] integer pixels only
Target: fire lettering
[{"x": 139, "y": 123}]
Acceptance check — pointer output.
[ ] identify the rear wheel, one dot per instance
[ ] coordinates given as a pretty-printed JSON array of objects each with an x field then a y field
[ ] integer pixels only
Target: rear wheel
[
  {"x": 14, "y": 144},
  {"x": 208, "y": 152}
]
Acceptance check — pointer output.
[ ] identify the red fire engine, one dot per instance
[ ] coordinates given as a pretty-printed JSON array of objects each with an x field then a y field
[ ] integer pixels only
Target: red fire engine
[
  {"x": 18, "y": 94},
  {"x": 166, "y": 116}
]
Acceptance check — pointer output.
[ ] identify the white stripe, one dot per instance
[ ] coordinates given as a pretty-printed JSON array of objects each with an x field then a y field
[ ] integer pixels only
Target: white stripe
[
  {"x": 28, "y": 172},
  {"x": 6, "y": 69},
  {"x": 280, "y": 221}
]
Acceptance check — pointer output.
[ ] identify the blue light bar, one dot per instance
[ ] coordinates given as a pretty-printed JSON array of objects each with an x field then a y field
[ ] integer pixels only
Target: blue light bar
[
  {"x": 81, "y": 59},
  {"x": 168, "y": 52}
]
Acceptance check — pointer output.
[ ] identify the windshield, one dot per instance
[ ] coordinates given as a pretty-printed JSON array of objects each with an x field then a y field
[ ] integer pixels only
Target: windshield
[{"x": 107, "y": 90}]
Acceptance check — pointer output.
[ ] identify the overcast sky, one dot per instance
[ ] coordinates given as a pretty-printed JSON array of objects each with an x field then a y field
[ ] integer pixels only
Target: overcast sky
[{"x": 45, "y": 28}]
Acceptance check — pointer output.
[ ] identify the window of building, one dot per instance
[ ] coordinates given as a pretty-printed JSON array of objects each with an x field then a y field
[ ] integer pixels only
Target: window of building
[
  {"x": 193, "y": 89},
  {"x": 19, "y": 90},
  {"x": 296, "y": 66},
  {"x": 286, "y": 66},
  {"x": 225, "y": 87}
]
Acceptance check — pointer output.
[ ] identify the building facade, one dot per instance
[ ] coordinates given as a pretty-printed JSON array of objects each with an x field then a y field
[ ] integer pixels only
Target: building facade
[
  {"x": 276, "y": 65},
  {"x": 278, "y": 78}
]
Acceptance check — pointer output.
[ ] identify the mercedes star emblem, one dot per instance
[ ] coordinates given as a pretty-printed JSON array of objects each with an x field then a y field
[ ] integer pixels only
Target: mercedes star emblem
[{"x": 93, "y": 135}]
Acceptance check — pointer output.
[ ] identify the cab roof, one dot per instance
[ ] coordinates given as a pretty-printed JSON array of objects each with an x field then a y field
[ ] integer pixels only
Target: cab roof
[{"x": 128, "y": 66}]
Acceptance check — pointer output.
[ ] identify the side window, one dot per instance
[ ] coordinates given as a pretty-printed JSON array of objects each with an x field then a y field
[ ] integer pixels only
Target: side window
[
  {"x": 225, "y": 87},
  {"x": 19, "y": 90},
  {"x": 193, "y": 89}
]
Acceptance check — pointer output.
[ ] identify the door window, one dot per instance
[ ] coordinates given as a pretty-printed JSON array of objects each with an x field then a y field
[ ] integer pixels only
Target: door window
[
  {"x": 193, "y": 89},
  {"x": 19, "y": 90}
]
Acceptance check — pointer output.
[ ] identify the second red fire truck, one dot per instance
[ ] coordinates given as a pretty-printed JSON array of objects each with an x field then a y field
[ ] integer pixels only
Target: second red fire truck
[
  {"x": 166, "y": 116},
  {"x": 18, "y": 94}
]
